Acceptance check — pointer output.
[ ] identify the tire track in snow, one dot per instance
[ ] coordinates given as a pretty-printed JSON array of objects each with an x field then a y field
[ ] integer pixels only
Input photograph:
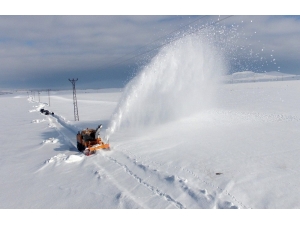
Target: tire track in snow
[
  {"x": 214, "y": 186},
  {"x": 192, "y": 193},
  {"x": 66, "y": 131},
  {"x": 155, "y": 190},
  {"x": 123, "y": 196},
  {"x": 200, "y": 196}
]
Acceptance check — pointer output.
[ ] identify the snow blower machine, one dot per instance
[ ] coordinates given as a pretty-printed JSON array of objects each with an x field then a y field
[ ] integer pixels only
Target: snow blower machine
[{"x": 89, "y": 141}]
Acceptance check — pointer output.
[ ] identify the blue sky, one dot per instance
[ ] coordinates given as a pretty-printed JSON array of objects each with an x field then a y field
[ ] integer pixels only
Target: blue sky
[{"x": 44, "y": 51}]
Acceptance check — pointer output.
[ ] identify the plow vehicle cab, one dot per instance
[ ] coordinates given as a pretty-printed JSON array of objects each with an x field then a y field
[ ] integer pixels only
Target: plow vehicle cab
[{"x": 89, "y": 141}]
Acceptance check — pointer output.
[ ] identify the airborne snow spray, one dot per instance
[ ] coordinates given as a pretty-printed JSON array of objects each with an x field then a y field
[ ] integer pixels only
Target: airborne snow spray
[{"x": 179, "y": 81}]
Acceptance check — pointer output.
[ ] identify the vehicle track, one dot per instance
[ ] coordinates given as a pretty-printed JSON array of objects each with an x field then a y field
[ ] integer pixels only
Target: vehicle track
[
  {"x": 154, "y": 189},
  {"x": 67, "y": 132},
  {"x": 200, "y": 196}
]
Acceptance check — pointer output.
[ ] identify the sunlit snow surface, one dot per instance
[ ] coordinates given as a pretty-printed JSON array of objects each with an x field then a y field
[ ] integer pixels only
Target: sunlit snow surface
[{"x": 243, "y": 152}]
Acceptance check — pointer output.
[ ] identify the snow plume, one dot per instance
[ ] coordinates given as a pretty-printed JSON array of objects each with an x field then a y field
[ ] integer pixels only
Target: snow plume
[{"x": 179, "y": 80}]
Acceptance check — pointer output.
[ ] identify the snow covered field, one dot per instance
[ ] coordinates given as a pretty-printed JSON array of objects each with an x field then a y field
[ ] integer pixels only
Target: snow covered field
[{"x": 243, "y": 153}]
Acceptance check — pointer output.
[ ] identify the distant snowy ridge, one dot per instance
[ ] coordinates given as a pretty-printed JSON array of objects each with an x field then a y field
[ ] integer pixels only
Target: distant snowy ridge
[
  {"x": 4, "y": 93},
  {"x": 249, "y": 76}
]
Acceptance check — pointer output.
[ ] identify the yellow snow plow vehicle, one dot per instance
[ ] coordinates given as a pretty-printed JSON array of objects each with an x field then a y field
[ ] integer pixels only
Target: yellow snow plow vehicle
[{"x": 89, "y": 141}]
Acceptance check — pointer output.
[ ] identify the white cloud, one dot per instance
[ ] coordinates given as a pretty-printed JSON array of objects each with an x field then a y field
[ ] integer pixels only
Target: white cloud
[{"x": 34, "y": 44}]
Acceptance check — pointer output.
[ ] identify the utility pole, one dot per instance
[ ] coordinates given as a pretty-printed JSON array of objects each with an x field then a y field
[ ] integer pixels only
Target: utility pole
[
  {"x": 49, "y": 96},
  {"x": 39, "y": 95},
  {"x": 76, "y": 116}
]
